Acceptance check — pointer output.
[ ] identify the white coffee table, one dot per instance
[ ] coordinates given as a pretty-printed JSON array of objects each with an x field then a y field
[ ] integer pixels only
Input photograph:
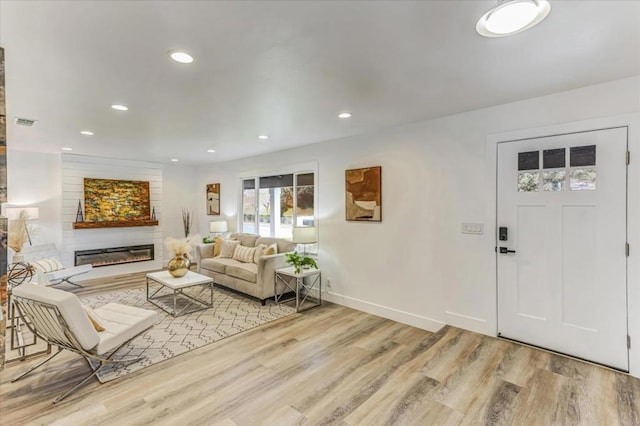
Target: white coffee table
[{"x": 172, "y": 288}]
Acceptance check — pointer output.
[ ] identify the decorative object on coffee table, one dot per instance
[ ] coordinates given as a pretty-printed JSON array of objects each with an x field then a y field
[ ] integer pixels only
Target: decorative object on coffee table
[
  {"x": 213, "y": 199},
  {"x": 364, "y": 194},
  {"x": 181, "y": 249}
]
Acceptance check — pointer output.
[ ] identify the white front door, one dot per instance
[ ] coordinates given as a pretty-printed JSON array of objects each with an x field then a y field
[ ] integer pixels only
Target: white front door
[{"x": 562, "y": 254}]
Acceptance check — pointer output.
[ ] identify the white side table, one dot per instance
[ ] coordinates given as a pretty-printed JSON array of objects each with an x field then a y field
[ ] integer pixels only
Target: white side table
[{"x": 296, "y": 283}]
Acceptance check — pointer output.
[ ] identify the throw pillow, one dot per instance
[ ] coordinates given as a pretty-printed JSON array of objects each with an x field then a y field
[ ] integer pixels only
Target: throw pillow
[
  {"x": 49, "y": 264},
  {"x": 94, "y": 318},
  {"x": 259, "y": 252},
  {"x": 272, "y": 249},
  {"x": 244, "y": 254},
  {"x": 218, "y": 244},
  {"x": 227, "y": 248}
]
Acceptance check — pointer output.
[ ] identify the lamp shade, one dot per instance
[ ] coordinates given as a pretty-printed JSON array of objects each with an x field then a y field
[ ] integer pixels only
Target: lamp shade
[
  {"x": 218, "y": 226},
  {"x": 33, "y": 213},
  {"x": 304, "y": 234}
]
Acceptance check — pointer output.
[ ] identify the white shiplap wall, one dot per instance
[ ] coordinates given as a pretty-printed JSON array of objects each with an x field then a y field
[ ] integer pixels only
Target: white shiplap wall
[{"x": 74, "y": 169}]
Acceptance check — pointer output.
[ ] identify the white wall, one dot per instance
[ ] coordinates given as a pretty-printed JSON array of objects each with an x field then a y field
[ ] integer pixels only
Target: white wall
[
  {"x": 416, "y": 266},
  {"x": 34, "y": 180},
  {"x": 179, "y": 192}
]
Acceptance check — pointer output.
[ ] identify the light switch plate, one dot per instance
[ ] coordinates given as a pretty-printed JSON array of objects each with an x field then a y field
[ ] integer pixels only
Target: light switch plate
[{"x": 472, "y": 228}]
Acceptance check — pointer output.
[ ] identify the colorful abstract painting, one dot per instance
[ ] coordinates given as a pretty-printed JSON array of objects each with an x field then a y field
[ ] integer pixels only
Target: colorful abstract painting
[
  {"x": 109, "y": 200},
  {"x": 213, "y": 199},
  {"x": 364, "y": 194}
]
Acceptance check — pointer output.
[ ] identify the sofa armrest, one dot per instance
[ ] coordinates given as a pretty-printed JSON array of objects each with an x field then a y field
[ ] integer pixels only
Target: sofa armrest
[
  {"x": 204, "y": 251},
  {"x": 267, "y": 266}
]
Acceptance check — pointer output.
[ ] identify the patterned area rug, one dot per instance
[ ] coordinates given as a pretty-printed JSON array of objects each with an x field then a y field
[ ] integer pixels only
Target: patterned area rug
[{"x": 231, "y": 314}]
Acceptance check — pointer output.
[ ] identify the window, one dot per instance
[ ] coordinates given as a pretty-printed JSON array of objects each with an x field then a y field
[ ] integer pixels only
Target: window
[
  {"x": 581, "y": 170},
  {"x": 272, "y": 205}
]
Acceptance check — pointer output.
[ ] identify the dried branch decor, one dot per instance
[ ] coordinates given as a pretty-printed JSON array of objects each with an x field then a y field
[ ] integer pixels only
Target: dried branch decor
[
  {"x": 187, "y": 219},
  {"x": 18, "y": 232}
]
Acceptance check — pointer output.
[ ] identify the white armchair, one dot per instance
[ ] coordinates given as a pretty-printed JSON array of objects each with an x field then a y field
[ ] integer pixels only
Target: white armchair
[
  {"x": 59, "y": 318},
  {"x": 54, "y": 272}
]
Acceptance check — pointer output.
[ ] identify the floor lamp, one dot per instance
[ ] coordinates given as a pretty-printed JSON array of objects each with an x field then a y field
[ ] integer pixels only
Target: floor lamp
[{"x": 305, "y": 235}]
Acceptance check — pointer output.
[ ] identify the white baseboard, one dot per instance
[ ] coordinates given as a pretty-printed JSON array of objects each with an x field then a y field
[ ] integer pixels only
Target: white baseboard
[
  {"x": 408, "y": 318},
  {"x": 467, "y": 322}
]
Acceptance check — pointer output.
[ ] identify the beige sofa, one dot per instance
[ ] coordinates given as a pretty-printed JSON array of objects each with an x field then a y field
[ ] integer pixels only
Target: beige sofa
[{"x": 256, "y": 280}]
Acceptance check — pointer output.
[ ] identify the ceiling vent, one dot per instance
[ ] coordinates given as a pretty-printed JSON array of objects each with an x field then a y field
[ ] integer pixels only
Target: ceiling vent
[{"x": 25, "y": 121}]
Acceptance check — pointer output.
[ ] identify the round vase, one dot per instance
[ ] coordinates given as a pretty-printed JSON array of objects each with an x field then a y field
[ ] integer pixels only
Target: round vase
[{"x": 179, "y": 266}]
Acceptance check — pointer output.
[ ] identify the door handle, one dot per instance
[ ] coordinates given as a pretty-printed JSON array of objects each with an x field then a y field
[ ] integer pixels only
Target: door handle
[{"x": 505, "y": 250}]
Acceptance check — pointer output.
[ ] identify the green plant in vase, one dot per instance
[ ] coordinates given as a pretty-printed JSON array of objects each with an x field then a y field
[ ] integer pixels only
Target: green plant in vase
[{"x": 300, "y": 262}]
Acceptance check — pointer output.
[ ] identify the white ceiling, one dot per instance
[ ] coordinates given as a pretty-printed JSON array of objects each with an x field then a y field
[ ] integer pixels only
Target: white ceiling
[{"x": 284, "y": 68}]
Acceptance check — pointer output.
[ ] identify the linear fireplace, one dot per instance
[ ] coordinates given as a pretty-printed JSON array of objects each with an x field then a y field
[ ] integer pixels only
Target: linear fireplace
[{"x": 114, "y": 255}]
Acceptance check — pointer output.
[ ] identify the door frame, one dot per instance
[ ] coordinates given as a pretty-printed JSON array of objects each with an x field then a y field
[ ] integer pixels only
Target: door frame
[{"x": 632, "y": 122}]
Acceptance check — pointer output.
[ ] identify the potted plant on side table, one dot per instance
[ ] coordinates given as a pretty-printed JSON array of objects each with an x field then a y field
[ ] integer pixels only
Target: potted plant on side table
[{"x": 300, "y": 262}]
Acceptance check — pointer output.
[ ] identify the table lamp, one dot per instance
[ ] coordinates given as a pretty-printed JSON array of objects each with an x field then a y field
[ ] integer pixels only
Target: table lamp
[
  {"x": 218, "y": 227},
  {"x": 305, "y": 235}
]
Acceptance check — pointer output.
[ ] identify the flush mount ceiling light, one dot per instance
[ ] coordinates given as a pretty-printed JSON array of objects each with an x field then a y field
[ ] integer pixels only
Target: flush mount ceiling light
[
  {"x": 180, "y": 56},
  {"x": 512, "y": 16},
  {"x": 211, "y": 150},
  {"x": 120, "y": 107},
  {"x": 87, "y": 132},
  {"x": 344, "y": 115},
  {"x": 175, "y": 160},
  {"x": 67, "y": 149},
  {"x": 263, "y": 137}
]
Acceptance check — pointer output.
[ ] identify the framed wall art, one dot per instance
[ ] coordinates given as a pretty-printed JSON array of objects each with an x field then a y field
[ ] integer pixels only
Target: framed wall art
[
  {"x": 213, "y": 199},
  {"x": 364, "y": 194}
]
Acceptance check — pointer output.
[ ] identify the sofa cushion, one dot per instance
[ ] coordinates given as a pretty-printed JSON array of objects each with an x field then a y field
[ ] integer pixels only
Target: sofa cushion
[
  {"x": 284, "y": 246},
  {"x": 244, "y": 271},
  {"x": 217, "y": 264},
  {"x": 247, "y": 240},
  {"x": 259, "y": 252},
  {"x": 227, "y": 248},
  {"x": 244, "y": 254}
]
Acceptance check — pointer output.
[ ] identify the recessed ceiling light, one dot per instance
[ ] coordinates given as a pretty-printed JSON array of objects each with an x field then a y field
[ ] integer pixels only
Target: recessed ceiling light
[
  {"x": 175, "y": 160},
  {"x": 120, "y": 107},
  {"x": 263, "y": 137},
  {"x": 67, "y": 149},
  {"x": 180, "y": 56},
  {"x": 512, "y": 16},
  {"x": 87, "y": 132},
  {"x": 344, "y": 115},
  {"x": 211, "y": 150}
]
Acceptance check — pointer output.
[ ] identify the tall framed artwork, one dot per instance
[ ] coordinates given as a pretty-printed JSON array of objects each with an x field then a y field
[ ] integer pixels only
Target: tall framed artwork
[
  {"x": 213, "y": 199},
  {"x": 363, "y": 189}
]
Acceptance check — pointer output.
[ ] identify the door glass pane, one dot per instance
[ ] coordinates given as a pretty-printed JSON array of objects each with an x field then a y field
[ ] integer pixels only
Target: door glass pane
[
  {"x": 554, "y": 180},
  {"x": 554, "y": 158},
  {"x": 528, "y": 181},
  {"x": 248, "y": 206},
  {"x": 583, "y": 179},
  {"x": 284, "y": 223},
  {"x": 305, "y": 200},
  {"x": 583, "y": 156},
  {"x": 529, "y": 160}
]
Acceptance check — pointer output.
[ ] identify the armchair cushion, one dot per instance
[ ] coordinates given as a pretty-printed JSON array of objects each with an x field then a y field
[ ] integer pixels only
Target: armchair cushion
[{"x": 121, "y": 323}]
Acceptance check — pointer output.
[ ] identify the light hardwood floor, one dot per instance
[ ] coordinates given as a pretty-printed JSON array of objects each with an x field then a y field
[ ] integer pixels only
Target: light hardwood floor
[{"x": 332, "y": 365}]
